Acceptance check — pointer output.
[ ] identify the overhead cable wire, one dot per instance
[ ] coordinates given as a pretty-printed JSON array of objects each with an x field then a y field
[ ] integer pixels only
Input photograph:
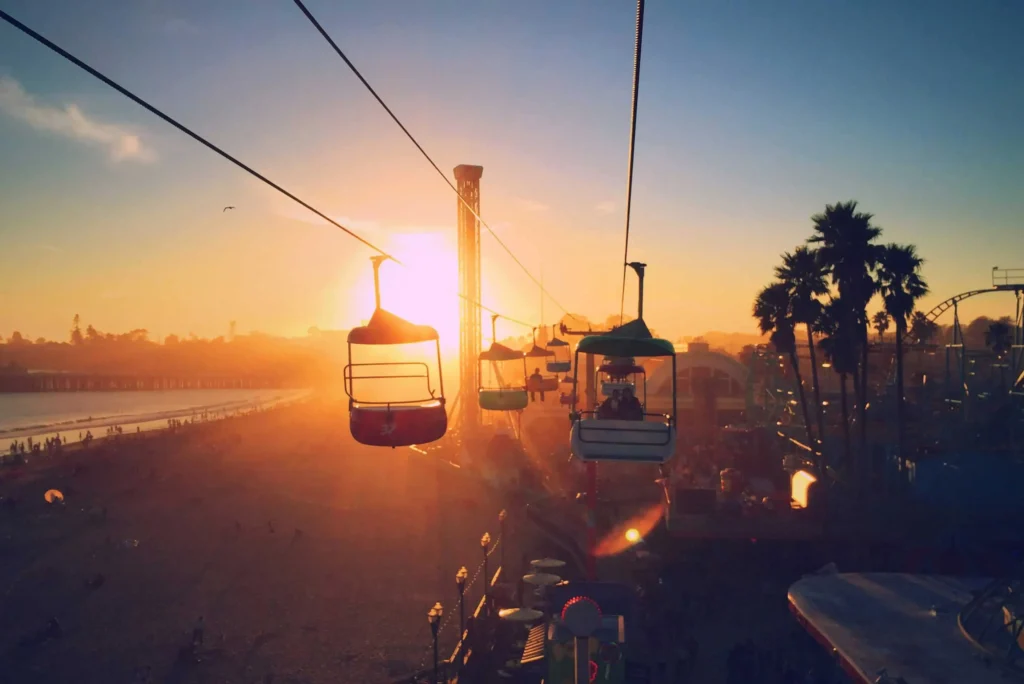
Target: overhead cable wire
[
  {"x": 394, "y": 117},
  {"x": 187, "y": 131},
  {"x": 203, "y": 141},
  {"x": 632, "y": 147}
]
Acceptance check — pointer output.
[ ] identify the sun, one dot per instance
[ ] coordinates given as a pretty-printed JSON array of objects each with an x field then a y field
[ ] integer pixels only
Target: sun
[{"x": 424, "y": 288}]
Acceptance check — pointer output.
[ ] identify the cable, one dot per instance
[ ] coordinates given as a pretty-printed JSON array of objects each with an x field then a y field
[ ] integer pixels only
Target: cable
[
  {"x": 195, "y": 136},
  {"x": 348, "y": 62},
  {"x": 632, "y": 147},
  {"x": 198, "y": 138}
]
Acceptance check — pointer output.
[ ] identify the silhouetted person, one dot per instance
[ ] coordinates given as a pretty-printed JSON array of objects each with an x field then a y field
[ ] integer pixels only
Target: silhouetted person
[
  {"x": 536, "y": 380},
  {"x": 631, "y": 408}
]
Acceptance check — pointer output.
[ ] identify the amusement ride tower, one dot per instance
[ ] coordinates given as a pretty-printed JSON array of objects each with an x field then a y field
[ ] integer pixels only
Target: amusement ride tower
[{"x": 467, "y": 179}]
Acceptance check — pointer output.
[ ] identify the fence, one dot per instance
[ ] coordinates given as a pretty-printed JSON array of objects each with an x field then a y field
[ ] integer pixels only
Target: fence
[{"x": 475, "y": 628}]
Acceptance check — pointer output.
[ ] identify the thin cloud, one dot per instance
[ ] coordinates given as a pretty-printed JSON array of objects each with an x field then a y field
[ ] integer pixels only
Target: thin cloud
[
  {"x": 120, "y": 143},
  {"x": 294, "y": 212},
  {"x": 532, "y": 205},
  {"x": 605, "y": 207}
]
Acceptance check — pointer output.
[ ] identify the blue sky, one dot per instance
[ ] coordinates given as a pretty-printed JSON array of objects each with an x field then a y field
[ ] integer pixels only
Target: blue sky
[{"x": 752, "y": 116}]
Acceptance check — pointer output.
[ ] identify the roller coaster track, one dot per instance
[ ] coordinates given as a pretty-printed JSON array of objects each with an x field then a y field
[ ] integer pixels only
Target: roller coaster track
[{"x": 944, "y": 306}]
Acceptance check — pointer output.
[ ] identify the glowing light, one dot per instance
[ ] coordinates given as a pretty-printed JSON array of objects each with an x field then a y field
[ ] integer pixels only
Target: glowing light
[
  {"x": 802, "y": 481},
  {"x": 632, "y": 535},
  {"x": 422, "y": 291}
]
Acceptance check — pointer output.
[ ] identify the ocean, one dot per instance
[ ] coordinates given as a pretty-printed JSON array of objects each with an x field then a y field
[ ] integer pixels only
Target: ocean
[{"x": 42, "y": 414}]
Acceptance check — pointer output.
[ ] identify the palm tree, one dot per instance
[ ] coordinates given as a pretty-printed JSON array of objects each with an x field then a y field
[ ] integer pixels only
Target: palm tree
[
  {"x": 846, "y": 239},
  {"x": 773, "y": 311},
  {"x": 804, "y": 275},
  {"x": 880, "y": 322},
  {"x": 922, "y": 328},
  {"x": 998, "y": 337},
  {"x": 901, "y": 284},
  {"x": 840, "y": 350}
]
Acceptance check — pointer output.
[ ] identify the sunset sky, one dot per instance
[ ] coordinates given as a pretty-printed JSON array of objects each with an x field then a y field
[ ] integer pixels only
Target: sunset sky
[{"x": 753, "y": 115}]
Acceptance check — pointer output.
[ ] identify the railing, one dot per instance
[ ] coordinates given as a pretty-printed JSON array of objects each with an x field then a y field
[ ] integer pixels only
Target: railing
[
  {"x": 350, "y": 378},
  {"x": 477, "y": 627},
  {"x": 994, "y": 621},
  {"x": 1007, "y": 277},
  {"x": 457, "y": 661}
]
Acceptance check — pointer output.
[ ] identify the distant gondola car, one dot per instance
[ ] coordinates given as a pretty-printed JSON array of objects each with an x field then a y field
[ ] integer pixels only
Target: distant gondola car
[
  {"x": 618, "y": 374},
  {"x": 542, "y": 383},
  {"x": 505, "y": 390},
  {"x": 399, "y": 421},
  {"x": 562, "y": 362}
]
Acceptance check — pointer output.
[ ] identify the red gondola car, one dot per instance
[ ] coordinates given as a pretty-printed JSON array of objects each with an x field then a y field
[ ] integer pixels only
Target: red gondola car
[{"x": 401, "y": 422}]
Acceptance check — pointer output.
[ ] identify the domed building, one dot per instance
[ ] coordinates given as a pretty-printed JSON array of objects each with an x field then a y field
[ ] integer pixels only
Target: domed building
[{"x": 710, "y": 385}]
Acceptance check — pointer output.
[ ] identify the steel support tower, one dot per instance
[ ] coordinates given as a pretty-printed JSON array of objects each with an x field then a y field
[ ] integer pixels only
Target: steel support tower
[{"x": 467, "y": 179}]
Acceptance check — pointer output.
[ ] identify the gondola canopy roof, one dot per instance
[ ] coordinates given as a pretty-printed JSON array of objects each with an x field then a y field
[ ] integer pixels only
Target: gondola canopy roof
[{"x": 387, "y": 328}]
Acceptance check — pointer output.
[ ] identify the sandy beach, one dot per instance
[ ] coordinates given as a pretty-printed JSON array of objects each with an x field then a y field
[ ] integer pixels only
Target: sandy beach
[{"x": 309, "y": 557}]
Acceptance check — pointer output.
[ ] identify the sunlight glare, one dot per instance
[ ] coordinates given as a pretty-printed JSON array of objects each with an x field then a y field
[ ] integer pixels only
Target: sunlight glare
[{"x": 423, "y": 290}]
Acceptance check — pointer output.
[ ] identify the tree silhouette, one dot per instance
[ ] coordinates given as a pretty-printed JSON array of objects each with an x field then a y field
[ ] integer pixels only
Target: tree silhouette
[
  {"x": 880, "y": 322},
  {"x": 901, "y": 284},
  {"x": 922, "y": 328},
  {"x": 773, "y": 310},
  {"x": 804, "y": 274},
  {"x": 846, "y": 243},
  {"x": 999, "y": 337},
  {"x": 840, "y": 349},
  {"x": 76, "y": 330}
]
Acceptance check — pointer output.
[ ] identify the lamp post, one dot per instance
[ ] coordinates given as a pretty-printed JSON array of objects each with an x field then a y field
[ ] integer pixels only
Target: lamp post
[
  {"x": 485, "y": 543},
  {"x": 503, "y": 539},
  {"x": 460, "y": 582},
  {"x": 434, "y": 618}
]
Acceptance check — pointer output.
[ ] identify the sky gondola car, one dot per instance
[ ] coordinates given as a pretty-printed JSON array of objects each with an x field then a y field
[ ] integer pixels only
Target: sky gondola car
[
  {"x": 399, "y": 422},
  {"x": 506, "y": 388},
  {"x": 618, "y": 374},
  {"x": 541, "y": 383},
  {"x": 559, "y": 348},
  {"x": 651, "y": 439}
]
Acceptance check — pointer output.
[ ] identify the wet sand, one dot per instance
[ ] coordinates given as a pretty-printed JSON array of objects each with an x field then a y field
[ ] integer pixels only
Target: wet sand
[{"x": 215, "y": 509}]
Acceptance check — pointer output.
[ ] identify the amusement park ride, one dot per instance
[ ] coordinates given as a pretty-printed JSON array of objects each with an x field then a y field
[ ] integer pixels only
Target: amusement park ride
[
  {"x": 766, "y": 490},
  {"x": 874, "y": 624}
]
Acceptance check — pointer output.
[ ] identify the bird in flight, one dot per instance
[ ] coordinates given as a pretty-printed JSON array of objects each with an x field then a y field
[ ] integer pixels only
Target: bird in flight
[{"x": 225, "y": 209}]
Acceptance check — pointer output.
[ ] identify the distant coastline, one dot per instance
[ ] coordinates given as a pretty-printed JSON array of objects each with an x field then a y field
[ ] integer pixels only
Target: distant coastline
[
  {"x": 73, "y": 412},
  {"x": 69, "y": 381}
]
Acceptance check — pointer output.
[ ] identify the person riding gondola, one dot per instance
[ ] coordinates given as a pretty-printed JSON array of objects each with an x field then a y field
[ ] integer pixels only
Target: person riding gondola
[
  {"x": 536, "y": 381},
  {"x": 630, "y": 407},
  {"x": 611, "y": 407}
]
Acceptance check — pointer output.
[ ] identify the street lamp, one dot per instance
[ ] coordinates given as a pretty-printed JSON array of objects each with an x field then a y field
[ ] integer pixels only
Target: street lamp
[
  {"x": 460, "y": 582},
  {"x": 434, "y": 618},
  {"x": 501, "y": 536},
  {"x": 485, "y": 542}
]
